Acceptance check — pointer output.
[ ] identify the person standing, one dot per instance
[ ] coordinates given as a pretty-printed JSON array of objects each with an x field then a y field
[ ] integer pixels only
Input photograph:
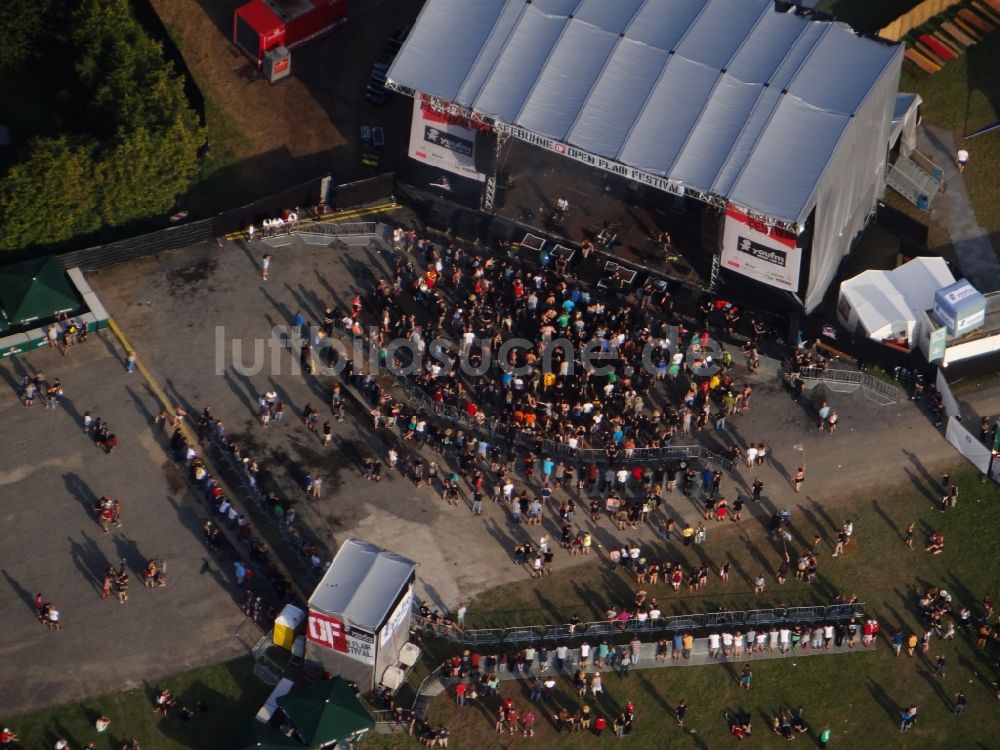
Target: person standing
[
  {"x": 130, "y": 362},
  {"x": 824, "y": 737},
  {"x": 962, "y": 158},
  {"x": 745, "y": 677},
  {"x": 265, "y": 266},
  {"x": 680, "y": 713},
  {"x": 960, "y": 700},
  {"x": 39, "y": 605},
  {"x": 799, "y": 478}
]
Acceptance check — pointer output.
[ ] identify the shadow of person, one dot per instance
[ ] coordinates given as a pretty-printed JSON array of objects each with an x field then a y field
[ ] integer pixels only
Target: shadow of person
[
  {"x": 23, "y": 593},
  {"x": 89, "y": 560},
  {"x": 80, "y": 490},
  {"x": 883, "y": 700}
]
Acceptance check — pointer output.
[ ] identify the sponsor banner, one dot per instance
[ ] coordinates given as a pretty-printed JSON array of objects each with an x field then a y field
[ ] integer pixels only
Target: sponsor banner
[
  {"x": 762, "y": 252},
  {"x": 396, "y": 618},
  {"x": 330, "y": 632},
  {"x": 360, "y": 645},
  {"x": 443, "y": 142},
  {"x": 593, "y": 160}
]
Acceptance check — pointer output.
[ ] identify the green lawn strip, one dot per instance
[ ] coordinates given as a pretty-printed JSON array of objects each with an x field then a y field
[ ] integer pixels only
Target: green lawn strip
[
  {"x": 877, "y": 567},
  {"x": 858, "y": 696},
  {"x": 963, "y": 97},
  {"x": 230, "y": 691}
]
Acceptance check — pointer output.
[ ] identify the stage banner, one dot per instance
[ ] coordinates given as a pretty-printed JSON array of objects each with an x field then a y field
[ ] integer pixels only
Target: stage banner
[
  {"x": 330, "y": 632},
  {"x": 764, "y": 253},
  {"x": 443, "y": 141}
]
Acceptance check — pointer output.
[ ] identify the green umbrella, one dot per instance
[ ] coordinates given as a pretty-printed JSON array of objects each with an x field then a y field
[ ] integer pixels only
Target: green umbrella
[
  {"x": 326, "y": 711},
  {"x": 35, "y": 290}
]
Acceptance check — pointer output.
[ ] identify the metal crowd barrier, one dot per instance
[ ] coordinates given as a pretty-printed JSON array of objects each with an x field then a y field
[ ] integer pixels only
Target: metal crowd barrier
[{"x": 651, "y": 629}]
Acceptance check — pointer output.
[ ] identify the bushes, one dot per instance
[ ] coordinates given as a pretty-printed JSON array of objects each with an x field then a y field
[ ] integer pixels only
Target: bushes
[{"x": 137, "y": 145}]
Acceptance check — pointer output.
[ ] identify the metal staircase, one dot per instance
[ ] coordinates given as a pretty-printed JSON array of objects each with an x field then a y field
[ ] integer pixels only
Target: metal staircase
[{"x": 916, "y": 178}]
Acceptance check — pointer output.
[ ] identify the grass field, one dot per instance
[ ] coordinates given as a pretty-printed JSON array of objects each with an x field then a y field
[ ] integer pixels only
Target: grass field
[
  {"x": 857, "y": 695},
  {"x": 230, "y": 691},
  {"x": 963, "y": 97}
]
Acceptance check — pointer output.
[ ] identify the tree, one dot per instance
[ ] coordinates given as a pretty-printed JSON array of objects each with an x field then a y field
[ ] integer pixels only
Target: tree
[
  {"x": 138, "y": 150},
  {"x": 22, "y": 22},
  {"x": 49, "y": 197}
]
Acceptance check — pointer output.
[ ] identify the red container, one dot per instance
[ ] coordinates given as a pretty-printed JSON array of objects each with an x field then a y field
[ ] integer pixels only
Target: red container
[{"x": 261, "y": 25}]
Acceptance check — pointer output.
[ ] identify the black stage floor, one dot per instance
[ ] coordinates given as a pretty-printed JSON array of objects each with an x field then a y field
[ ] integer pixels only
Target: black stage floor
[{"x": 533, "y": 181}]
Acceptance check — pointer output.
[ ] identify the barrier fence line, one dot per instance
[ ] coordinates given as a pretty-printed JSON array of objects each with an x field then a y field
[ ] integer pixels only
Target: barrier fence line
[
  {"x": 654, "y": 628},
  {"x": 331, "y": 219}
]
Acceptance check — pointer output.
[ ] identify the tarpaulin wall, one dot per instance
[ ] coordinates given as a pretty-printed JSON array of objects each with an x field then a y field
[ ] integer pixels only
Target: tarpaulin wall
[{"x": 852, "y": 182}]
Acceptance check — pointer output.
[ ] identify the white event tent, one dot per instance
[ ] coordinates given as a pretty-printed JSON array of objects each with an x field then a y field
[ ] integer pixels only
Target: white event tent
[{"x": 889, "y": 305}]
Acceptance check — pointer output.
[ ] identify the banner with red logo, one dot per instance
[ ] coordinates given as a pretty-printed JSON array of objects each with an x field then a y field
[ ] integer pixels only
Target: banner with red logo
[
  {"x": 326, "y": 631},
  {"x": 765, "y": 253},
  {"x": 331, "y": 633}
]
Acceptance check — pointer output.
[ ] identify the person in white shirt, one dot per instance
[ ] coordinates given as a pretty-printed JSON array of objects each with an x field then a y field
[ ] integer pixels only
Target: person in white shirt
[
  {"x": 963, "y": 159},
  {"x": 713, "y": 645},
  {"x": 727, "y": 643},
  {"x": 761, "y": 641},
  {"x": 785, "y": 636}
]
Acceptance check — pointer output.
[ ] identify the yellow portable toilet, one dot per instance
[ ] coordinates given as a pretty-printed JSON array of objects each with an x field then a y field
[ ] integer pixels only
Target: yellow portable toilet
[{"x": 285, "y": 625}]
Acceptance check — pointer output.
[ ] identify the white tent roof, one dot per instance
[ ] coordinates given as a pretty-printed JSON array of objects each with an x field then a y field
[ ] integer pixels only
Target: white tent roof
[
  {"x": 362, "y": 583},
  {"x": 883, "y": 298},
  {"x": 919, "y": 278},
  {"x": 877, "y": 301},
  {"x": 725, "y": 96}
]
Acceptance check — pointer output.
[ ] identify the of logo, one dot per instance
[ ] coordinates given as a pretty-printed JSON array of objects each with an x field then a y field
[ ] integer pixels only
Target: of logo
[
  {"x": 327, "y": 631},
  {"x": 559, "y": 148}
]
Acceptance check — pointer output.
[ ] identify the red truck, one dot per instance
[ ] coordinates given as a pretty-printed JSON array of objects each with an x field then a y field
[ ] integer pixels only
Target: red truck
[{"x": 264, "y": 25}]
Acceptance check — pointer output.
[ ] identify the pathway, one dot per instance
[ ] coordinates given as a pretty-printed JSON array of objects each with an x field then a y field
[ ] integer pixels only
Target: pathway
[{"x": 976, "y": 254}]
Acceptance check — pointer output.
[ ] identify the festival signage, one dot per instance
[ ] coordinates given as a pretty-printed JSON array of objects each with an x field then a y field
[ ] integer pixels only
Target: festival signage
[
  {"x": 762, "y": 252},
  {"x": 443, "y": 141},
  {"x": 331, "y": 633},
  {"x": 586, "y": 157}
]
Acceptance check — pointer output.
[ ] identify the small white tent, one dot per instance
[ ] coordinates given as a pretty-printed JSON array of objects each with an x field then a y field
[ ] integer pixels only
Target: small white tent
[{"x": 888, "y": 305}]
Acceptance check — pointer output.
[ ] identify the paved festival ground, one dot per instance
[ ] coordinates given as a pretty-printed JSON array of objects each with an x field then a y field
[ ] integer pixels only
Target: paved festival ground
[
  {"x": 187, "y": 294},
  {"x": 50, "y": 476}
]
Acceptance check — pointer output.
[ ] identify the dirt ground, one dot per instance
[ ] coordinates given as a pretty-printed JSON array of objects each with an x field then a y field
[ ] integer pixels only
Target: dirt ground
[{"x": 267, "y": 137}]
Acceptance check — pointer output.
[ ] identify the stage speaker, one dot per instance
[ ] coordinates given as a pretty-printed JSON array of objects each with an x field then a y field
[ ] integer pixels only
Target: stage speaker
[
  {"x": 465, "y": 224},
  {"x": 498, "y": 230},
  {"x": 438, "y": 214},
  {"x": 485, "y": 153}
]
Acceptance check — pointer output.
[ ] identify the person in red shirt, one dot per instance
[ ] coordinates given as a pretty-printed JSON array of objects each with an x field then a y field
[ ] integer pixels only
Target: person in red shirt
[{"x": 600, "y": 724}]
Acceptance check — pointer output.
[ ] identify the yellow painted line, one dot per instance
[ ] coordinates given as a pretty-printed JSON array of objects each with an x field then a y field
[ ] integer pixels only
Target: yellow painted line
[
  {"x": 161, "y": 396},
  {"x": 354, "y": 213}
]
